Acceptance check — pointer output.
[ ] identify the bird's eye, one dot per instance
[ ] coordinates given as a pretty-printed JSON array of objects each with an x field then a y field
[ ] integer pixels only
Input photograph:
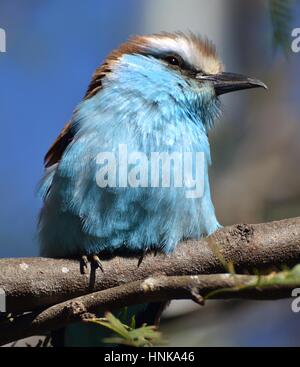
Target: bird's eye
[{"x": 173, "y": 60}]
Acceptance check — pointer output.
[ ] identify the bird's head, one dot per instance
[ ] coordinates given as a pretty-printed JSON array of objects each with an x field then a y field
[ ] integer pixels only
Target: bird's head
[{"x": 170, "y": 67}]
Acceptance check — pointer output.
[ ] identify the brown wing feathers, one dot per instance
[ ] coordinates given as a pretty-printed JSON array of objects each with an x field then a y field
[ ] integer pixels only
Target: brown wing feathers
[
  {"x": 66, "y": 136},
  {"x": 55, "y": 153}
]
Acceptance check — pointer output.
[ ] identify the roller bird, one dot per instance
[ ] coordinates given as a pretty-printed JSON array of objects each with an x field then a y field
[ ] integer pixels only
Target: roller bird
[{"x": 155, "y": 96}]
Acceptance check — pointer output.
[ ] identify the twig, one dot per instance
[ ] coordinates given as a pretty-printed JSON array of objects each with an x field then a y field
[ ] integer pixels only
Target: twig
[{"x": 161, "y": 288}]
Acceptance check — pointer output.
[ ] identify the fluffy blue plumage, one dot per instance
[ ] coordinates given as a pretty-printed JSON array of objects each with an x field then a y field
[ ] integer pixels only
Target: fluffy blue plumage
[{"x": 150, "y": 108}]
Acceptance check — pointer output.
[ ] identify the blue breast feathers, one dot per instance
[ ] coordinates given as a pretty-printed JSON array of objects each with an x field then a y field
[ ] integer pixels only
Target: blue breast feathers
[{"x": 139, "y": 113}]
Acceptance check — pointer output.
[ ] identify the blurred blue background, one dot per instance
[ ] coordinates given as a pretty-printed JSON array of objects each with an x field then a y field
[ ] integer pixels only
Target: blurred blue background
[{"x": 54, "y": 46}]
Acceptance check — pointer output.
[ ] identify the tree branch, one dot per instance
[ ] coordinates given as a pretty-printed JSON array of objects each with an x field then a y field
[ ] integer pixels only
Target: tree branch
[
  {"x": 162, "y": 288},
  {"x": 32, "y": 283}
]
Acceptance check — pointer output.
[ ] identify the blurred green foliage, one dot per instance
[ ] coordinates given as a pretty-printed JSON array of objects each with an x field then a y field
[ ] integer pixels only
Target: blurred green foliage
[
  {"x": 281, "y": 18},
  {"x": 289, "y": 278}
]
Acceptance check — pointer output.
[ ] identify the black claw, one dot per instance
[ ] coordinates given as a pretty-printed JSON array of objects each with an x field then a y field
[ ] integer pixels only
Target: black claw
[
  {"x": 96, "y": 261},
  {"x": 142, "y": 257}
]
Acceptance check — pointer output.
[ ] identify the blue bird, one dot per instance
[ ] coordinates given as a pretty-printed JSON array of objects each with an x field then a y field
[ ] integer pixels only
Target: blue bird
[{"x": 155, "y": 94}]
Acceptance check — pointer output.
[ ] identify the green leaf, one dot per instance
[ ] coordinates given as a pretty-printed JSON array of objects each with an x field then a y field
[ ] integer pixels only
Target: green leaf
[{"x": 145, "y": 336}]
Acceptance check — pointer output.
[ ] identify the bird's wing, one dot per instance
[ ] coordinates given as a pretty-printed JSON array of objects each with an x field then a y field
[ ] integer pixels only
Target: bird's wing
[{"x": 57, "y": 149}]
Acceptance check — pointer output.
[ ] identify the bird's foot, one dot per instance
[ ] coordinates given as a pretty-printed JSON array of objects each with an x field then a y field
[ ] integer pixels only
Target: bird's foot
[
  {"x": 94, "y": 260},
  {"x": 84, "y": 264},
  {"x": 97, "y": 263}
]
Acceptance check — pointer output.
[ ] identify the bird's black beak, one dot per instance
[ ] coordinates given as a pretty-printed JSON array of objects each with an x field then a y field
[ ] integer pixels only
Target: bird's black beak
[{"x": 230, "y": 82}]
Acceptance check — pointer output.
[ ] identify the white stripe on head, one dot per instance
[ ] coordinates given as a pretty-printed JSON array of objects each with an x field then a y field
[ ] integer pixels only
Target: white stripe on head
[{"x": 197, "y": 52}]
